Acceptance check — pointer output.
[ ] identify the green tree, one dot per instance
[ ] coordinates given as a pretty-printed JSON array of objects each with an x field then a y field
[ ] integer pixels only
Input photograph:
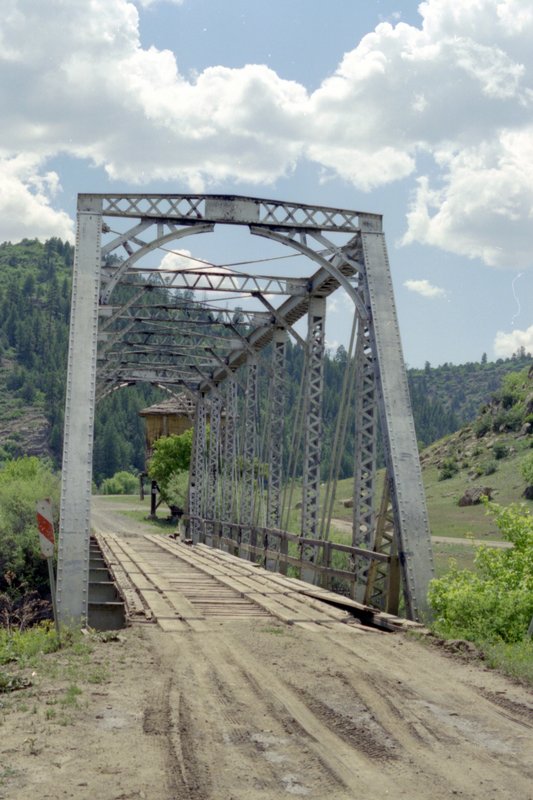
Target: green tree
[{"x": 172, "y": 456}]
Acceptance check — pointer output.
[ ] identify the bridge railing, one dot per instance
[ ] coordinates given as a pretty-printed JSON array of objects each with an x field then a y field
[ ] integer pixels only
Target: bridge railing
[{"x": 317, "y": 561}]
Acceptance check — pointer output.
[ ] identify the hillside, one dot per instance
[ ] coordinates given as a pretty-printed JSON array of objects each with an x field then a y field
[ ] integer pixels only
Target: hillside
[{"x": 35, "y": 283}]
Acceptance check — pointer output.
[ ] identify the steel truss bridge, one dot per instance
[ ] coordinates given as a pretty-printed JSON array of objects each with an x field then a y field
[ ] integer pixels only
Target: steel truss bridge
[{"x": 134, "y": 320}]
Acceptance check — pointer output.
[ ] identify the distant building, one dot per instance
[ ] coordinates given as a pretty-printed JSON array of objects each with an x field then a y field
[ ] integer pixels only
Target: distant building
[{"x": 169, "y": 418}]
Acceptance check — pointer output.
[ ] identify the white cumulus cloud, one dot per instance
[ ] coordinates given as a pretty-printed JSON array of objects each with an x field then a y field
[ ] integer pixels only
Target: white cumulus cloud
[
  {"x": 454, "y": 93},
  {"x": 424, "y": 288},
  {"x": 505, "y": 344},
  {"x": 25, "y": 195}
]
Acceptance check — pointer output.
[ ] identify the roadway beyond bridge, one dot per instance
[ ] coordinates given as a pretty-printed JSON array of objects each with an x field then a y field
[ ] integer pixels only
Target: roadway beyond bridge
[{"x": 259, "y": 689}]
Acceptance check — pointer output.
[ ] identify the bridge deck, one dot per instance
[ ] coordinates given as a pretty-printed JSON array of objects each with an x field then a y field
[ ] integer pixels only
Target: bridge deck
[{"x": 181, "y": 586}]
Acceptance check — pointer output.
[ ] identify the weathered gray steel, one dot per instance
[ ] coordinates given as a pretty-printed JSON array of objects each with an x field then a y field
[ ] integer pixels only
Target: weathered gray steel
[
  {"x": 399, "y": 437},
  {"x": 313, "y": 388},
  {"x": 249, "y": 471},
  {"x": 197, "y": 467},
  {"x": 233, "y": 209},
  {"x": 275, "y": 429},
  {"x": 74, "y": 531},
  {"x": 229, "y": 458},
  {"x": 214, "y": 465},
  {"x": 173, "y": 342},
  {"x": 366, "y": 425}
]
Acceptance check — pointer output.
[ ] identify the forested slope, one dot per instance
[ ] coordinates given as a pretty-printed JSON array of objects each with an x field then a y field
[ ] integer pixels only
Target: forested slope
[{"x": 35, "y": 280}]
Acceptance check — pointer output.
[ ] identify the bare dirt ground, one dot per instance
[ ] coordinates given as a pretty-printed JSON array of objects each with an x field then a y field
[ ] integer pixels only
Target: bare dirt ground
[{"x": 253, "y": 709}]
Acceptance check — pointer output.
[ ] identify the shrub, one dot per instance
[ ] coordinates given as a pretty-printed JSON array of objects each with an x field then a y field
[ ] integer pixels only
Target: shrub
[
  {"x": 176, "y": 489},
  {"x": 500, "y": 451},
  {"x": 509, "y": 420},
  {"x": 23, "y": 481},
  {"x": 121, "y": 483},
  {"x": 527, "y": 470},
  {"x": 448, "y": 470},
  {"x": 489, "y": 468},
  {"x": 494, "y": 602},
  {"x": 482, "y": 425}
]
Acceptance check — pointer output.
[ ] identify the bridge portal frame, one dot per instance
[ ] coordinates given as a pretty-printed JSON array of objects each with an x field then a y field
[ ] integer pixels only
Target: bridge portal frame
[{"x": 360, "y": 266}]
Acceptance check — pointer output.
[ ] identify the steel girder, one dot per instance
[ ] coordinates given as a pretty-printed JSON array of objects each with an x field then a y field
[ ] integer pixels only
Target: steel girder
[
  {"x": 366, "y": 426},
  {"x": 212, "y": 487},
  {"x": 76, "y": 482},
  {"x": 275, "y": 429},
  {"x": 137, "y": 326},
  {"x": 411, "y": 522},
  {"x": 229, "y": 461},
  {"x": 313, "y": 388},
  {"x": 249, "y": 451},
  {"x": 197, "y": 468}
]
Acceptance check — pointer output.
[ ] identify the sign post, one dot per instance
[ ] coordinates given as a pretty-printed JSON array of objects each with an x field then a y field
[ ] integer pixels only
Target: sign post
[{"x": 45, "y": 524}]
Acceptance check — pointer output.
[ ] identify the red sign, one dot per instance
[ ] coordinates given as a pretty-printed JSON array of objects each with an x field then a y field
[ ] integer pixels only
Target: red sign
[{"x": 45, "y": 524}]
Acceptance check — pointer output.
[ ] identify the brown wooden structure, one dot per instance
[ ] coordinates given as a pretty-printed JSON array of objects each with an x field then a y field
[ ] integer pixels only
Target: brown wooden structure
[{"x": 170, "y": 418}]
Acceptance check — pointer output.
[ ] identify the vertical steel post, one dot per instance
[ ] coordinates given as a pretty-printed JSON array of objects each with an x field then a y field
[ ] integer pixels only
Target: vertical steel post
[
  {"x": 196, "y": 473},
  {"x": 76, "y": 476},
  {"x": 229, "y": 462},
  {"x": 399, "y": 438},
  {"x": 213, "y": 468},
  {"x": 275, "y": 444},
  {"x": 249, "y": 455},
  {"x": 366, "y": 424},
  {"x": 313, "y": 425}
]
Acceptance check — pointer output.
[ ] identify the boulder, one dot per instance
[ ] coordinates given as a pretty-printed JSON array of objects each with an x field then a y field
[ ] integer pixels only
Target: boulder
[
  {"x": 525, "y": 430},
  {"x": 472, "y": 497}
]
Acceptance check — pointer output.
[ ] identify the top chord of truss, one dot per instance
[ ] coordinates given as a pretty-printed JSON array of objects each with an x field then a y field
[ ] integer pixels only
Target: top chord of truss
[{"x": 195, "y": 208}]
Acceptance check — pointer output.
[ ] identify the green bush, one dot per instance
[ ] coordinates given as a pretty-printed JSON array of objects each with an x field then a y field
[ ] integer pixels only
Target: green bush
[
  {"x": 494, "y": 602},
  {"x": 482, "y": 425},
  {"x": 489, "y": 468},
  {"x": 23, "y": 481},
  {"x": 509, "y": 420},
  {"x": 177, "y": 488},
  {"x": 500, "y": 451},
  {"x": 448, "y": 470},
  {"x": 121, "y": 483},
  {"x": 527, "y": 470}
]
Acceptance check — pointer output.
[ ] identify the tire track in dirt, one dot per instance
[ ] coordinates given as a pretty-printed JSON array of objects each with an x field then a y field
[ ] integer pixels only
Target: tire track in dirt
[
  {"x": 169, "y": 718},
  {"x": 323, "y": 712}
]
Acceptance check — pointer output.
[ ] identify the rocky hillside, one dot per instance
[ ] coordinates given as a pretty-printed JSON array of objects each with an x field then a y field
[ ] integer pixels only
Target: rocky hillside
[{"x": 488, "y": 453}]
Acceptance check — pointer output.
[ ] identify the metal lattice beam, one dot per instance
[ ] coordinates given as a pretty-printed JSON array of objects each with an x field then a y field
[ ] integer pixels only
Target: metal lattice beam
[
  {"x": 197, "y": 468},
  {"x": 249, "y": 454},
  {"x": 276, "y": 423},
  {"x": 214, "y": 465},
  {"x": 366, "y": 425},
  {"x": 313, "y": 416}
]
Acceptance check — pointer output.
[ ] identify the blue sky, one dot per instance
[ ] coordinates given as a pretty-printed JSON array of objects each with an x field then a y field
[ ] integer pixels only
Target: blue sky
[{"x": 422, "y": 113}]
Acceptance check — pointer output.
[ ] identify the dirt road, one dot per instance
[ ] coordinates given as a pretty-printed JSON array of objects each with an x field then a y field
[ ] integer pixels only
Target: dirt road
[{"x": 250, "y": 709}]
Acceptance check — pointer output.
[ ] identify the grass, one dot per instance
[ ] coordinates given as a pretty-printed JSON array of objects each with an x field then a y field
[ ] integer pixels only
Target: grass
[
  {"x": 6, "y": 773},
  {"x": 25, "y": 647},
  {"x": 33, "y": 655},
  {"x": 125, "y": 499},
  {"x": 515, "y": 660}
]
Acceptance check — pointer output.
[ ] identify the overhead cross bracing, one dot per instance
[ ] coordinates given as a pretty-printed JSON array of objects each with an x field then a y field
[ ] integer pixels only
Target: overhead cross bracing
[{"x": 136, "y": 321}]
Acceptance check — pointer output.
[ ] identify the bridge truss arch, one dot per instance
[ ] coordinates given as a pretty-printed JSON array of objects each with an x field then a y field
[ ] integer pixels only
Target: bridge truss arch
[{"x": 133, "y": 321}]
